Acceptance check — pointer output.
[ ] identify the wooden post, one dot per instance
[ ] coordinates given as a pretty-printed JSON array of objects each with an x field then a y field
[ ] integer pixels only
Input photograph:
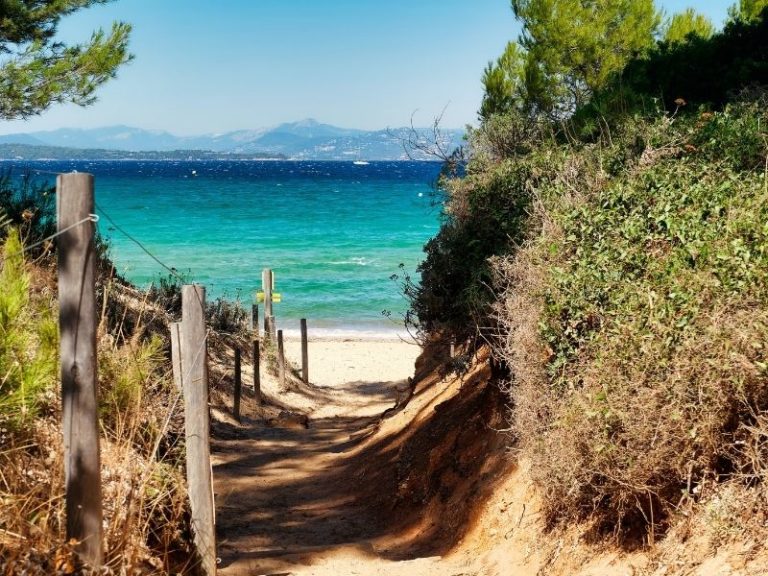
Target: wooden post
[
  {"x": 269, "y": 329},
  {"x": 256, "y": 371},
  {"x": 176, "y": 353},
  {"x": 253, "y": 321},
  {"x": 280, "y": 359},
  {"x": 77, "y": 322},
  {"x": 238, "y": 385},
  {"x": 266, "y": 286},
  {"x": 197, "y": 424},
  {"x": 304, "y": 352}
]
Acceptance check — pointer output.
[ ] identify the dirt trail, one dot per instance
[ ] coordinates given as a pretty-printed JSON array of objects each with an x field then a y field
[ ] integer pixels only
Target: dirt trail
[{"x": 286, "y": 498}]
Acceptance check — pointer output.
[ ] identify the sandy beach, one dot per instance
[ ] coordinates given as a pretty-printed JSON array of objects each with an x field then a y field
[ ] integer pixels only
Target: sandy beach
[{"x": 345, "y": 361}]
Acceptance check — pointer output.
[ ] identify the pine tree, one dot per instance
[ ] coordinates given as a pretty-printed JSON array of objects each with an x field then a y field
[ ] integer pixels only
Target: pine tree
[
  {"x": 504, "y": 82},
  {"x": 572, "y": 48},
  {"x": 747, "y": 10},
  {"x": 684, "y": 25},
  {"x": 37, "y": 71}
]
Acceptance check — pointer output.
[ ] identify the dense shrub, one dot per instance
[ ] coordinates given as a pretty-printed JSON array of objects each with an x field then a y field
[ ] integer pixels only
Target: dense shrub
[
  {"x": 636, "y": 319},
  {"x": 485, "y": 213}
]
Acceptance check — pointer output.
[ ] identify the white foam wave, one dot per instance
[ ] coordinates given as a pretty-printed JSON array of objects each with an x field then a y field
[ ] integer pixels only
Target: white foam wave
[{"x": 357, "y": 261}]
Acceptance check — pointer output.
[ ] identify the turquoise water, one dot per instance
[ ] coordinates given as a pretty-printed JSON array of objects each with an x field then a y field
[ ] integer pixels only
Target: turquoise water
[{"x": 333, "y": 232}]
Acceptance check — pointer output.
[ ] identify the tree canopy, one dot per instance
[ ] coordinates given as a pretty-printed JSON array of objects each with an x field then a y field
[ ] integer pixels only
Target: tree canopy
[
  {"x": 686, "y": 24},
  {"x": 747, "y": 10},
  {"x": 37, "y": 71},
  {"x": 573, "y": 47}
]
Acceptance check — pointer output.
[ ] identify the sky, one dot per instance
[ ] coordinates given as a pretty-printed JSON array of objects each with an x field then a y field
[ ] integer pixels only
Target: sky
[{"x": 213, "y": 67}]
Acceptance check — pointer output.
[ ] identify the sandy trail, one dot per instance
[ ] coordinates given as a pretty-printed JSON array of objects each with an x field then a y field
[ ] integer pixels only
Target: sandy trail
[{"x": 284, "y": 505}]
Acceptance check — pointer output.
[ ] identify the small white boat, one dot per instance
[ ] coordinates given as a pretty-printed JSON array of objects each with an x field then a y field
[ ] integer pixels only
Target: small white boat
[{"x": 360, "y": 163}]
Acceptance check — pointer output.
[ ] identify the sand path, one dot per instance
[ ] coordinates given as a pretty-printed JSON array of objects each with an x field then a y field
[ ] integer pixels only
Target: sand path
[{"x": 283, "y": 506}]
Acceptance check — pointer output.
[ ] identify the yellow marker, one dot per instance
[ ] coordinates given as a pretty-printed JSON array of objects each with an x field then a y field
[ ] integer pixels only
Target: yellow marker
[{"x": 276, "y": 297}]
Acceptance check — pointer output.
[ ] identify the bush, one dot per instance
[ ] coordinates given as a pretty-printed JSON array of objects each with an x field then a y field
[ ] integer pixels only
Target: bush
[
  {"x": 485, "y": 214},
  {"x": 28, "y": 340},
  {"x": 636, "y": 320}
]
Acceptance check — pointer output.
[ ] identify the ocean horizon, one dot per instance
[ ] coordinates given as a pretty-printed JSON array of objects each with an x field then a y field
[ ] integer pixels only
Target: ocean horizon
[{"x": 333, "y": 232}]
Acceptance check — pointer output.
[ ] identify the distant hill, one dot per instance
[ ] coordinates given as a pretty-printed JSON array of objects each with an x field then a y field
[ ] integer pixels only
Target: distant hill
[
  {"x": 306, "y": 139},
  {"x": 34, "y": 152}
]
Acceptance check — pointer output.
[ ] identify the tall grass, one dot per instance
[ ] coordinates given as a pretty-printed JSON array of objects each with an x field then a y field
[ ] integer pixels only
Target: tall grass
[{"x": 144, "y": 495}]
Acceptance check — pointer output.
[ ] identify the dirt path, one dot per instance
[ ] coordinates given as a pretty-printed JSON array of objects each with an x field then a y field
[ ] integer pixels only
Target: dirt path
[{"x": 286, "y": 502}]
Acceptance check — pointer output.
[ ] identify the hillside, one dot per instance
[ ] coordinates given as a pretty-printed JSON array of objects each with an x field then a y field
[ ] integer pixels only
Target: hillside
[{"x": 304, "y": 140}]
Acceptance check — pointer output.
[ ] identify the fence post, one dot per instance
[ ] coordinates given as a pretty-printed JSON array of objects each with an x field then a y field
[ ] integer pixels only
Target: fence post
[
  {"x": 176, "y": 353},
  {"x": 280, "y": 359},
  {"x": 197, "y": 424},
  {"x": 238, "y": 385},
  {"x": 269, "y": 319},
  {"x": 253, "y": 321},
  {"x": 256, "y": 371},
  {"x": 304, "y": 352},
  {"x": 77, "y": 322}
]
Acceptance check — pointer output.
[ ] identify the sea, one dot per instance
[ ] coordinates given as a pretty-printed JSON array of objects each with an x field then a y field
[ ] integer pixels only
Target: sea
[{"x": 334, "y": 233}]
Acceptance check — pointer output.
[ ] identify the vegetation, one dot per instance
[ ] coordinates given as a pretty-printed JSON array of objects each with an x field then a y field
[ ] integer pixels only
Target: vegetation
[
  {"x": 644, "y": 300},
  {"x": 28, "y": 341},
  {"x": 611, "y": 244},
  {"x": 687, "y": 24},
  {"x": 146, "y": 515},
  {"x": 567, "y": 51},
  {"x": 38, "y": 71}
]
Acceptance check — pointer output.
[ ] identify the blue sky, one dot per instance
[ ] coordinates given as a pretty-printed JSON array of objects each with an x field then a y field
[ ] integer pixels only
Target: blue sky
[{"x": 205, "y": 67}]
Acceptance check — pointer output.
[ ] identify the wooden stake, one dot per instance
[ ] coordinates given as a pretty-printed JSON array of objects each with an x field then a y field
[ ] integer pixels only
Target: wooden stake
[
  {"x": 253, "y": 321},
  {"x": 280, "y": 359},
  {"x": 176, "y": 353},
  {"x": 77, "y": 322},
  {"x": 266, "y": 286},
  {"x": 269, "y": 329},
  {"x": 238, "y": 385},
  {"x": 197, "y": 424},
  {"x": 256, "y": 371},
  {"x": 304, "y": 352}
]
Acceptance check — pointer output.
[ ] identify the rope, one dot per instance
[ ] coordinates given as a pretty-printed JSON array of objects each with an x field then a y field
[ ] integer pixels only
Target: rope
[{"x": 172, "y": 270}]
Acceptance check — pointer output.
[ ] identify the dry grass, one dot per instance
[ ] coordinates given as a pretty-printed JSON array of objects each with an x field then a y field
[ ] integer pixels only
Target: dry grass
[{"x": 143, "y": 488}]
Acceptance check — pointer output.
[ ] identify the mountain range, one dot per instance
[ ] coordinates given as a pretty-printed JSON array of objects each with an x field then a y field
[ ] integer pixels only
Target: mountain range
[{"x": 303, "y": 140}]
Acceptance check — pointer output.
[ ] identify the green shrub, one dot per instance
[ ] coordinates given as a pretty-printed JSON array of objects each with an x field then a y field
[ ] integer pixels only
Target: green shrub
[
  {"x": 485, "y": 214},
  {"x": 28, "y": 339},
  {"x": 636, "y": 321}
]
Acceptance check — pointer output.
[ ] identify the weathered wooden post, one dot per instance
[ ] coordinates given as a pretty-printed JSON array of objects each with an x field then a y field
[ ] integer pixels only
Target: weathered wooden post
[
  {"x": 238, "y": 385},
  {"x": 280, "y": 359},
  {"x": 256, "y": 371},
  {"x": 267, "y": 281},
  {"x": 176, "y": 353},
  {"x": 304, "y": 352},
  {"x": 197, "y": 424},
  {"x": 253, "y": 321},
  {"x": 77, "y": 322}
]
